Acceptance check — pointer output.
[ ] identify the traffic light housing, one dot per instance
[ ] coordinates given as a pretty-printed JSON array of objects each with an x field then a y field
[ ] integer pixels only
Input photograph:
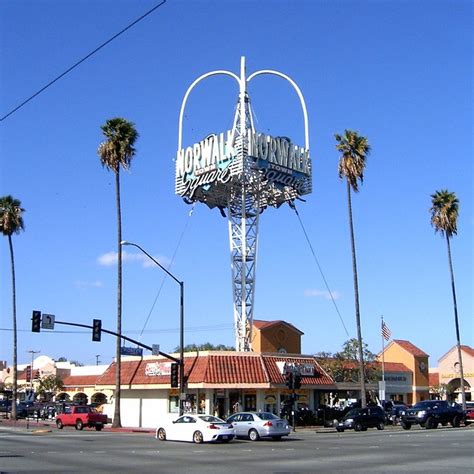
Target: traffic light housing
[
  {"x": 28, "y": 373},
  {"x": 37, "y": 375},
  {"x": 174, "y": 375},
  {"x": 289, "y": 379},
  {"x": 297, "y": 381},
  {"x": 96, "y": 329},
  {"x": 36, "y": 321}
]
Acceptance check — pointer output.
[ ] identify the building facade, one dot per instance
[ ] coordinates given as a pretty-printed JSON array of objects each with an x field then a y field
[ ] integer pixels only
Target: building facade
[
  {"x": 416, "y": 361},
  {"x": 448, "y": 372}
]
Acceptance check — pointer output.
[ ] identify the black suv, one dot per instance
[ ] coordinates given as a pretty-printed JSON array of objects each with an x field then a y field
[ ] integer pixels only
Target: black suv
[
  {"x": 362, "y": 418},
  {"x": 431, "y": 413}
]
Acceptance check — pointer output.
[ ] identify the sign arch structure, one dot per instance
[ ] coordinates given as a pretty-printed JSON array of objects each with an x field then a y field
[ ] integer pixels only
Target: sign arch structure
[{"x": 243, "y": 171}]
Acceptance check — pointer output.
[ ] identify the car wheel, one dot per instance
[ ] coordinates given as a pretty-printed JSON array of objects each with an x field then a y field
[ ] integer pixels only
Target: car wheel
[
  {"x": 79, "y": 425},
  {"x": 253, "y": 435},
  {"x": 358, "y": 426},
  {"x": 161, "y": 434},
  {"x": 405, "y": 425},
  {"x": 431, "y": 424},
  {"x": 340, "y": 430},
  {"x": 197, "y": 437},
  {"x": 456, "y": 422},
  {"x": 99, "y": 427},
  {"x": 59, "y": 424},
  {"x": 381, "y": 425}
]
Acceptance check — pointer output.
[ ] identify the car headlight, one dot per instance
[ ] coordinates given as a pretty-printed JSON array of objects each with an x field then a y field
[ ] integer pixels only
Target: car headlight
[
  {"x": 402, "y": 412},
  {"x": 421, "y": 413}
]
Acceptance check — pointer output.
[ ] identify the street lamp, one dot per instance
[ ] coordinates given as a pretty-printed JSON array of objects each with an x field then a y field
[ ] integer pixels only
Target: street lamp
[{"x": 181, "y": 322}]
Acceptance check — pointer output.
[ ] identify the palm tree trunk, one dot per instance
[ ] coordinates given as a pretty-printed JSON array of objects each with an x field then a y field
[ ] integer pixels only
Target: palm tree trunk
[
  {"x": 356, "y": 296},
  {"x": 15, "y": 346},
  {"x": 456, "y": 322},
  {"x": 116, "y": 423}
]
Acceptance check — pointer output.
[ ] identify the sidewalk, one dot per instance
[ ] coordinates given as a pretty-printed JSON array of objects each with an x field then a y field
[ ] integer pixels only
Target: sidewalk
[{"x": 50, "y": 425}]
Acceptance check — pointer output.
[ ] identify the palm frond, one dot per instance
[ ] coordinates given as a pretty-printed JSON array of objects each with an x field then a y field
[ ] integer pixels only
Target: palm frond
[
  {"x": 11, "y": 219},
  {"x": 444, "y": 212}
]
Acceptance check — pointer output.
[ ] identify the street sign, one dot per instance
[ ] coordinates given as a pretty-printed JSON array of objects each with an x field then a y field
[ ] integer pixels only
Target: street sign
[
  {"x": 131, "y": 351},
  {"x": 155, "y": 349},
  {"x": 47, "y": 321}
]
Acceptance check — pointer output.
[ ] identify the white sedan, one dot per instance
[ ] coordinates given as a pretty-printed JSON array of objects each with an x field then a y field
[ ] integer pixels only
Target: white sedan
[{"x": 196, "y": 428}]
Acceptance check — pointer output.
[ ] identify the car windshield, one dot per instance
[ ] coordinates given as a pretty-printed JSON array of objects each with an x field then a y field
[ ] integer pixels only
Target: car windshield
[
  {"x": 426, "y": 404},
  {"x": 267, "y": 416},
  {"x": 211, "y": 419},
  {"x": 353, "y": 412}
]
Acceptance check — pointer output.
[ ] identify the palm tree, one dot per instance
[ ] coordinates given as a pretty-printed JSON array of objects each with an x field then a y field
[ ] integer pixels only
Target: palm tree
[
  {"x": 444, "y": 216},
  {"x": 11, "y": 222},
  {"x": 354, "y": 150},
  {"x": 117, "y": 151}
]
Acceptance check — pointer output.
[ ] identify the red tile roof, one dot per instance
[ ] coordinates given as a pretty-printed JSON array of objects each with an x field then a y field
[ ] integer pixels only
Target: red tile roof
[
  {"x": 395, "y": 367},
  {"x": 216, "y": 368},
  {"x": 468, "y": 350},
  {"x": 80, "y": 380},
  {"x": 433, "y": 378},
  {"x": 259, "y": 324},
  {"x": 411, "y": 348},
  {"x": 320, "y": 376}
]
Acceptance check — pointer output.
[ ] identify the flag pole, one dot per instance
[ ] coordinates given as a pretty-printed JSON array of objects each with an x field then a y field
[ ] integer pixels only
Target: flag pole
[{"x": 383, "y": 352}]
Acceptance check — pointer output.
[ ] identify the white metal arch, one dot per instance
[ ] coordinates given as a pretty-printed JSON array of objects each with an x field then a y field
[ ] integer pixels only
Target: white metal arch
[
  {"x": 190, "y": 88},
  {"x": 298, "y": 91}
]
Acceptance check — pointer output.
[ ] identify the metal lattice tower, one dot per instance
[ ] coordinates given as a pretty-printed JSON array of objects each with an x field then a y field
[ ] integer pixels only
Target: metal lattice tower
[
  {"x": 244, "y": 172},
  {"x": 244, "y": 211}
]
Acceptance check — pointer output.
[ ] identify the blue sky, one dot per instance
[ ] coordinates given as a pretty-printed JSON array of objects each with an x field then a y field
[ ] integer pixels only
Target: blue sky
[{"x": 399, "y": 72}]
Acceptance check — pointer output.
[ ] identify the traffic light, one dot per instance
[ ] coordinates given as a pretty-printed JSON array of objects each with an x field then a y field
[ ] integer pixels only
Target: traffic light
[
  {"x": 96, "y": 329},
  {"x": 28, "y": 373},
  {"x": 297, "y": 381},
  {"x": 37, "y": 375},
  {"x": 289, "y": 379},
  {"x": 174, "y": 375},
  {"x": 36, "y": 321}
]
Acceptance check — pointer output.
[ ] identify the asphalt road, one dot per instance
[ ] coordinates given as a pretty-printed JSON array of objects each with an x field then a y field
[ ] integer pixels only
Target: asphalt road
[{"x": 447, "y": 450}]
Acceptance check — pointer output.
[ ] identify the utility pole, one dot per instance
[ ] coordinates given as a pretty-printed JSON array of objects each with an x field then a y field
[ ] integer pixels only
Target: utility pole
[
  {"x": 97, "y": 361},
  {"x": 31, "y": 377}
]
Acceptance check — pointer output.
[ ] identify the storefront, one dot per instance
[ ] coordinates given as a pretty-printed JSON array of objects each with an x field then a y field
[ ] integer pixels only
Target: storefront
[{"x": 220, "y": 383}]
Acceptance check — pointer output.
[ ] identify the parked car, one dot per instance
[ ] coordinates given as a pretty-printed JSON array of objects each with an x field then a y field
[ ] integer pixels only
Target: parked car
[
  {"x": 360, "y": 419},
  {"x": 196, "y": 428},
  {"x": 80, "y": 416},
  {"x": 393, "y": 411},
  {"x": 469, "y": 416},
  {"x": 256, "y": 425},
  {"x": 430, "y": 413}
]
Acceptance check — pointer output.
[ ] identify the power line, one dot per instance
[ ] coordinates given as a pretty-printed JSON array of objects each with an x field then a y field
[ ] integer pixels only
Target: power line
[
  {"x": 82, "y": 60},
  {"x": 292, "y": 205},
  {"x": 170, "y": 265}
]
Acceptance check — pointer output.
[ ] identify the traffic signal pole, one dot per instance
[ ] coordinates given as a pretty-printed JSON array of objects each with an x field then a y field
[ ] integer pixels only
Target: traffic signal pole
[{"x": 133, "y": 341}]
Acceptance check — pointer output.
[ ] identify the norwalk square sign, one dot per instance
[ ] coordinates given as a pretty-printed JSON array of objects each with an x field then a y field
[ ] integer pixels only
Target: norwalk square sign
[
  {"x": 204, "y": 169},
  {"x": 242, "y": 172}
]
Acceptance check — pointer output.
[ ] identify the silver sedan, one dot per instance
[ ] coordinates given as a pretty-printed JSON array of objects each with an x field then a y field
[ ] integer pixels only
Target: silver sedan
[{"x": 256, "y": 425}]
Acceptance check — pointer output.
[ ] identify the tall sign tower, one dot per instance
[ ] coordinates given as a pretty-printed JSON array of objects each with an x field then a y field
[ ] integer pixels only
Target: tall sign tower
[{"x": 242, "y": 171}]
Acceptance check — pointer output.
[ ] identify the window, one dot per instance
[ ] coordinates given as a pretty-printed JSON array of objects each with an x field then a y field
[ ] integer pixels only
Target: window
[{"x": 173, "y": 404}]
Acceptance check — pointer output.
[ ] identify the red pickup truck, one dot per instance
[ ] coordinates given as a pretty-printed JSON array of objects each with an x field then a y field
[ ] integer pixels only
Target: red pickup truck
[{"x": 80, "y": 416}]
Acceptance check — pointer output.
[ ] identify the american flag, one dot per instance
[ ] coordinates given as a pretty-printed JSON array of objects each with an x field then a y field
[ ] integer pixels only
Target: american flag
[{"x": 386, "y": 333}]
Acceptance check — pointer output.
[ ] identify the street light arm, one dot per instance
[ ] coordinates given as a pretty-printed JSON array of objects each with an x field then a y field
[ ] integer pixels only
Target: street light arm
[{"x": 124, "y": 242}]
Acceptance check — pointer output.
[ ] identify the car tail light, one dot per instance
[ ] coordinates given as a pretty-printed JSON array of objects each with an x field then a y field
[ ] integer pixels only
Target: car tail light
[
  {"x": 213, "y": 427},
  {"x": 268, "y": 423}
]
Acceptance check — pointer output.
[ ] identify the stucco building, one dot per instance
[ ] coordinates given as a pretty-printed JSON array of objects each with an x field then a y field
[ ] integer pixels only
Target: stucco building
[
  {"x": 416, "y": 361},
  {"x": 448, "y": 372}
]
